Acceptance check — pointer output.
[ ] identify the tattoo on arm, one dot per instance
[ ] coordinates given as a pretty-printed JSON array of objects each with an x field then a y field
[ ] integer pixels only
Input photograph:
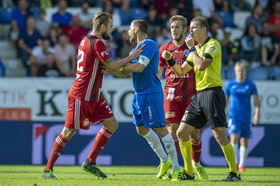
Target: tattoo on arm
[{"x": 109, "y": 61}]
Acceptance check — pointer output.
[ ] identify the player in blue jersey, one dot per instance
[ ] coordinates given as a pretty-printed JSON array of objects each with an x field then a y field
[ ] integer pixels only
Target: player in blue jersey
[
  {"x": 147, "y": 104},
  {"x": 239, "y": 91}
]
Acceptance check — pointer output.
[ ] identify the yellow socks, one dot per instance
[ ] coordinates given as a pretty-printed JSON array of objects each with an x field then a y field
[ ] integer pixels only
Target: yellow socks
[
  {"x": 186, "y": 150},
  {"x": 229, "y": 154}
]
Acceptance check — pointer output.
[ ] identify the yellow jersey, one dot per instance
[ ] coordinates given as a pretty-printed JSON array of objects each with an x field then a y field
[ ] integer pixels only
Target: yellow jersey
[{"x": 211, "y": 76}]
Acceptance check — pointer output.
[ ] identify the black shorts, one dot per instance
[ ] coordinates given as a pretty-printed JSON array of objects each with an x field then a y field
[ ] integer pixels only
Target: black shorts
[{"x": 207, "y": 106}]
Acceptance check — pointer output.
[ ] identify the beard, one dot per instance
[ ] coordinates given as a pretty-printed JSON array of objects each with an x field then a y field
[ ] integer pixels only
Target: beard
[
  {"x": 106, "y": 36},
  {"x": 181, "y": 36}
]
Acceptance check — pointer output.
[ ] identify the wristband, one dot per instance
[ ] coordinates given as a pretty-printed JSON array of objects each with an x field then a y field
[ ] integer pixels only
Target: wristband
[
  {"x": 171, "y": 62},
  {"x": 121, "y": 69},
  {"x": 192, "y": 49}
]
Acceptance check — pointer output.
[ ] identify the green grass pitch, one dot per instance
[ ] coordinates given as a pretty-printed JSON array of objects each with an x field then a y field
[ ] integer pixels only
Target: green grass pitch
[{"x": 124, "y": 175}]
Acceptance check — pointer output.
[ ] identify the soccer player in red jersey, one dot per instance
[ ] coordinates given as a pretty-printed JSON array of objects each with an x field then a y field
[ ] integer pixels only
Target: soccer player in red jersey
[
  {"x": 86, "y": 106},
  {"x": 179, "y": 90}
]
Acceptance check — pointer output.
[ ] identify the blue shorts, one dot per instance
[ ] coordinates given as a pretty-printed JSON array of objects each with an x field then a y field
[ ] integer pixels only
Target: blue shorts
[
  {"x": 242, "y": 127},
  {"x": 148, "y": 110}
]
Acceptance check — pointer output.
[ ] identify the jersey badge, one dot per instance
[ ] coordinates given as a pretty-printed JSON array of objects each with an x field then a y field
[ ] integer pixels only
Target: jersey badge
[
  {"x": 187, "y": 53},
  {"x": 212, "y": 49}
]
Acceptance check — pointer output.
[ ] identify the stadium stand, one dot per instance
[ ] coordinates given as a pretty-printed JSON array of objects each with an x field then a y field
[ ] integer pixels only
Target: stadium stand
[
  {"x": 230, "y": 73},
  {"x": 259, "y": 73},
  {"x": 137, "y": 14},
  {"x": 275, "y": 73},
  {"x": 6, "y": 15},
  {"x": 239, "y": 18}
]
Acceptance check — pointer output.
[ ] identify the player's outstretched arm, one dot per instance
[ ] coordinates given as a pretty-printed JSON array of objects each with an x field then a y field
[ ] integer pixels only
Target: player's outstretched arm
[
  {"x": 117, "y": 73},
  {"x": 115, "y": 65},
  {"x": 177, "y": 69}
]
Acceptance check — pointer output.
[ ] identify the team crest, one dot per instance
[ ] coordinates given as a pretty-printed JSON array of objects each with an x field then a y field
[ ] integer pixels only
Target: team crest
[
  {"x": 86, "y": 122},
  {"x": 187, "y": 53}
]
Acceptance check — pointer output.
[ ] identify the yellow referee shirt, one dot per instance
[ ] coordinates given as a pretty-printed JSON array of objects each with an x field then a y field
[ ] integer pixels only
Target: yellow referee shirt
[{"x": 211, "y": 76}]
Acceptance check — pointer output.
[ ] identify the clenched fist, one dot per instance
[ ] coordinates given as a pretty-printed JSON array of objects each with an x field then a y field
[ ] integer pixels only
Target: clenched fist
[
  {"x": 166, "y": 55},
  {"x": 189, "y": 41}
]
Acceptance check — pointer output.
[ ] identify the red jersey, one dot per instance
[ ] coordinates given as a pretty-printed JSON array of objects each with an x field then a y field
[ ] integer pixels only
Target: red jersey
[
  {"x": 92, "y": 52},
  {"x": 178, "y": 89}
]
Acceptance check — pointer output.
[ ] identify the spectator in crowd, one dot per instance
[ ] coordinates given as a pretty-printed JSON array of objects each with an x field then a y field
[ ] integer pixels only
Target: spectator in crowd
[
  {"x": 123, "y": 45},
  {"x": 185, "y": 8},
  {"x": 75, "y": 32},
  {"x": 65, "y": 55},
  {"x": 111, "y": 48},
  {"x": 85, "y": 16},
  {"x": 123, "y": 4},
  {"x": 108, "y": 7},
  {"x": 274, "y": 19},
  {"x": 196, "y": 12},
  {"x": 207, "y": 10},
  {"x": 269, "y": 46},
  {"x": 18, "y": 19},
  {"x": 41, "y": 25},
  {"x": 164, "y": 38},
  {"x": 53, "y": 36},
  {"x": 145, "y": 3},
  {"x": 218, "y": 4},
  {"x": 216, "y": 32},
  {"x": 236, "y": 5},
  {"x": 230, "y": 51},
  {"x": 264, "y": 3},
  {"x": 257, "y": 17},
  {"x": 162, "y": 7},
  {"x": 28, "y": 39},
  {"x": 49, "y": 69},
  {"x": 61, "y": 18},
  {"x": 172, "y": 12},
  {"x": 250, "y": 46},
  {"x": 39, "y": 54},
  {"x": 154, "y": 22},
  {"x": 226, "y": 15}
]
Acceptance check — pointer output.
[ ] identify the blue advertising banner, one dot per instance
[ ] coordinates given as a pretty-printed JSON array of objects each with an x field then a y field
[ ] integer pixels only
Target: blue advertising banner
[{"x": 31, "y": 143}]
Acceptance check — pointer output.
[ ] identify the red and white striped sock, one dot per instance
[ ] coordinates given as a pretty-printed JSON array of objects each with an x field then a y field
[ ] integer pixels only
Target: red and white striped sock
[
  {"x": 100, "y": 141},
  {"x": 58, "y": 145}
]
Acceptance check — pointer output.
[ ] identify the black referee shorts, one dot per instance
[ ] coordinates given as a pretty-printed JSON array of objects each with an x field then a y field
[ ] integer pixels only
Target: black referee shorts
[{"x": 207, "y": 106}]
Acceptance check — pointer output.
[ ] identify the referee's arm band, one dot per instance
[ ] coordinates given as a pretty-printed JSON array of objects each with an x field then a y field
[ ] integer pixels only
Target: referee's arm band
[
  {"x": 207, "y": 56},
  {"x": 190, "y": 63},
  {"x": 171, "y": 62}
]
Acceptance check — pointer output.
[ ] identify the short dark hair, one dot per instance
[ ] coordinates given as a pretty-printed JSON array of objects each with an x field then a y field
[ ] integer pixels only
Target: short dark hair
[
  {"x": 202, "y": 22},
  {"x": 100, "y": 19},
  {"x": 142, "y": 24}
]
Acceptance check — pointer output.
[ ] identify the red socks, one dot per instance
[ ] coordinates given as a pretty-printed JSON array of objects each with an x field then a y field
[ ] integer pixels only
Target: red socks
[
  {"x": 58, "y": 145},
  {"x": 196, "y": 151},
  {"x": 100, "y": 141}
]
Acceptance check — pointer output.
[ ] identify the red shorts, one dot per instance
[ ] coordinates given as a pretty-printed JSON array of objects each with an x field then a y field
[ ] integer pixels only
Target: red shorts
[
  {"x": 81, "y": 113},
  {"x": 174, "y": 111}
]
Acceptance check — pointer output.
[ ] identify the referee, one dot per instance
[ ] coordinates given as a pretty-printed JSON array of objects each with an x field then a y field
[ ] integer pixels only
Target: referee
[{"x": 208, "y": 105}]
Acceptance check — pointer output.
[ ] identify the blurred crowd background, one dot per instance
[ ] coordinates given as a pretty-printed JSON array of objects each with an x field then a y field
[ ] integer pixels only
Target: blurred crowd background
[{"x": 41, "y": 37}]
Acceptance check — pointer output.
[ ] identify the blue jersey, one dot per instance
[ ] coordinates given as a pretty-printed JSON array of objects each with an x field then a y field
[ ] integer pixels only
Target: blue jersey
[
  {"x": 240, "y": 96},
  {"x": 147, "y": 81}
]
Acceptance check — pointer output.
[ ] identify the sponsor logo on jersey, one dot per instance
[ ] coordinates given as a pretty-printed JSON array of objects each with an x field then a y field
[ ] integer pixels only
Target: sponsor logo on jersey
[
  {"x": 212, "y": 49},
  {"x": 187, "y": 53},
  {"x": 104, "y": 53},
  {"x": 86, "y": 122},
  {"x": 170, "y": 114}
]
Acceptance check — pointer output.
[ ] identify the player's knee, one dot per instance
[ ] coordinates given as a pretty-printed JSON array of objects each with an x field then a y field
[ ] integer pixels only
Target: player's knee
[{"x": 113, "y": 127}]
